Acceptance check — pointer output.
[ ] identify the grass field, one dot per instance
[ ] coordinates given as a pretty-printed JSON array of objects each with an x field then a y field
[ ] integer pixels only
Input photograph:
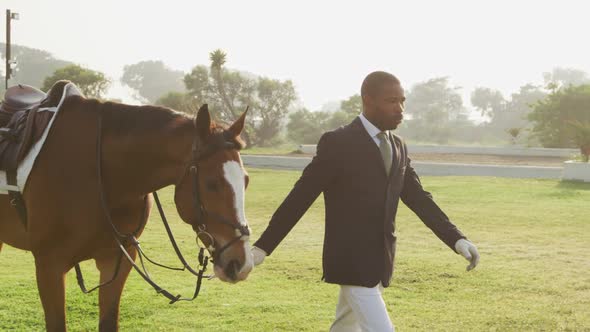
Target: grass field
[{"x": 534, "y": 274}]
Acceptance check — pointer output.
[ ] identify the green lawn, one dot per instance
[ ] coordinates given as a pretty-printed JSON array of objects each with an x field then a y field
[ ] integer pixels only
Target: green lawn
[{"x": 533, "y": 235}]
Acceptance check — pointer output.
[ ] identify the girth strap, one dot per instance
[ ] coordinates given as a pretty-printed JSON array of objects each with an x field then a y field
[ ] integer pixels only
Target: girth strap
[{"x": 16, "y": 198}]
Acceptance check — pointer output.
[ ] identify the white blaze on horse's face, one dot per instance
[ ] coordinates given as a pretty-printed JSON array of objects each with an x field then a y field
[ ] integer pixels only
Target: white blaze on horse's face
[{"x": 235, "y": 175}]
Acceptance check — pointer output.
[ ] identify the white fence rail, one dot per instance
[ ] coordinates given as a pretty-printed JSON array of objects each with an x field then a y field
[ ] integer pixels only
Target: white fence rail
[
  {"x": 422, "y": 168},
  {"x": 498, "y": 151}
]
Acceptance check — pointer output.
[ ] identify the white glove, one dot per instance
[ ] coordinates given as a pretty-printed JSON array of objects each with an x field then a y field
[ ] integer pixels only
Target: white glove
[
  {"x": 258, "y": 255},
  {"x": 469, "y": 251}
]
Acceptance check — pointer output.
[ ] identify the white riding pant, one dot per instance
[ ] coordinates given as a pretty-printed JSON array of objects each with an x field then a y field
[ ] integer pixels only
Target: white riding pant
[{"x": 361, "y": 309}]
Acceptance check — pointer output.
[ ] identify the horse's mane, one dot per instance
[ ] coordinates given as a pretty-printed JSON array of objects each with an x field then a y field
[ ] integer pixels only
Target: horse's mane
[{"x": 124, "y": 119}]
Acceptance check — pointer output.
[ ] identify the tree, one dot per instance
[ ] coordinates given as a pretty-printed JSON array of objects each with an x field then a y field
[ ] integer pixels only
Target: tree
[
  {"x": 229, "y": 92},
  {"x": 435, "y": 107},
  {"x": 339, "y": 119},
  {"x": 272, "y": 102},
  {"x": 218, "y": 58},
  {"x": 178, "y": 101},
  {"x": 91, "y": 83},
  {"x": 520, "y": 106},
  {"x": 581, "y": 137},
  {"x": 307, "y": 127},
  {"x": 33, "y": 65},
  {"x": 435, "y": 101},
  {"x": 488, "y": 101},
  {"x": 198, "y": 85},
  {"x": 562, "y": 77},
  {"x": 352, "y": 106},
  {"x": 506, "y": 114},
  {"x": 152, "y": 79},
  {"x": 553, "y": 115},
  {"x": 514, "y": 133}
]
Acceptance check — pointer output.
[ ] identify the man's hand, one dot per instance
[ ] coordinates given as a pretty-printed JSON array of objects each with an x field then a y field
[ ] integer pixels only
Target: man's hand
[
  {"x": 469, "y": 251},
  {"x": 258, "y": 255}
]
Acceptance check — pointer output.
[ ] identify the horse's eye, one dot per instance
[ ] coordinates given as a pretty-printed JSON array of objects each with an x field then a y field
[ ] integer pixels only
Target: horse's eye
[{"x": 212, "y": 185}]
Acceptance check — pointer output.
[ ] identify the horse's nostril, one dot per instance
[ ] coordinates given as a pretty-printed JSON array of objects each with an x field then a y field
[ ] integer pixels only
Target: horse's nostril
[{"x": 232, "y": 269}]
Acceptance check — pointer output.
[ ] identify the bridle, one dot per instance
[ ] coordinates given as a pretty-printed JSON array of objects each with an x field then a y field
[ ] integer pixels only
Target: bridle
[{"x": 242, "y": 232}]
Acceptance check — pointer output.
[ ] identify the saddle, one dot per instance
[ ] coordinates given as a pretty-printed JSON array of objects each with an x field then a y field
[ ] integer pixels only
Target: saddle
[
  {"x": 21, "y": 125},
  {"x": 20, "y": 98}
]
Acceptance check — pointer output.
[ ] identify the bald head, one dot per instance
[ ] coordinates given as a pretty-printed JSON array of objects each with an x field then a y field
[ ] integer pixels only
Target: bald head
[{"x": 375, "y": 81}]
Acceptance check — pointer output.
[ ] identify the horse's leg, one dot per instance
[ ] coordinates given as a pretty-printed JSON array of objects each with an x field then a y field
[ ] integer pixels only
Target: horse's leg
[
  {"x": 1, "y": 246},
  {"x": 109, "y": 296},
  {"x": 50, "y": 281}
]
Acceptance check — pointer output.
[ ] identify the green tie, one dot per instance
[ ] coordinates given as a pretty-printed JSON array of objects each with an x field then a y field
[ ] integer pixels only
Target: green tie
[{"x": 385, "y": 148}]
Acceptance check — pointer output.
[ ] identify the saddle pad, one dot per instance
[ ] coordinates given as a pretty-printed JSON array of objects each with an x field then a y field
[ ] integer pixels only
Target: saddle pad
[{"x": 26, "y": 165}]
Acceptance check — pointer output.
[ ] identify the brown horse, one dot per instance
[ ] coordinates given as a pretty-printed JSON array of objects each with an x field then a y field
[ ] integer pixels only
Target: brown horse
[{"x": 142, "y": 149}]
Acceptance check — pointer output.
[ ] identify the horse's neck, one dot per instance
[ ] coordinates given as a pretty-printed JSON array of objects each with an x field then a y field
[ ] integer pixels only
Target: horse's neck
[{"x": 146, "y": 162}]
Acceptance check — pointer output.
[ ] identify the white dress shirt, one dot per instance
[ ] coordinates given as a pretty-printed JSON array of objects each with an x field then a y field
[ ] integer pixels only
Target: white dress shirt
[{"x": 374, "y": 131}]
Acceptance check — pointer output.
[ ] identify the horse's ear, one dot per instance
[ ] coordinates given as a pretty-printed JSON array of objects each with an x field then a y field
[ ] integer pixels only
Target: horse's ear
[
  {"x": 237, "y": 127},
  {"x": 203, "y": 122}
]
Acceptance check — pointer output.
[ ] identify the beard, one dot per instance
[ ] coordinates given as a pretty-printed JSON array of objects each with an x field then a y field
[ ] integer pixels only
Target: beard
[{"x": 388, "y": 120}]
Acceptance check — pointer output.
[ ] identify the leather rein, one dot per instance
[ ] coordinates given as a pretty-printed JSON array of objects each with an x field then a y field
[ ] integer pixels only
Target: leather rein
[{"x": 242, "y": 232}]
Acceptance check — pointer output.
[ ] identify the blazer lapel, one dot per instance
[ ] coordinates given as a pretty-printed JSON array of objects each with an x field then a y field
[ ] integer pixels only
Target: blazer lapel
[{"x": 396, "y": 155}]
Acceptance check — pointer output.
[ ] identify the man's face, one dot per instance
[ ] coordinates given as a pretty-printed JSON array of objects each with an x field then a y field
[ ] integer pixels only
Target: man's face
[{"x": 385, "y": 108}]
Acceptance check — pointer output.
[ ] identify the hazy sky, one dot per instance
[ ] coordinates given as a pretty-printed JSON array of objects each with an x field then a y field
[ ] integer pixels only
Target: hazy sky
[{"x": 325, "y": 47}]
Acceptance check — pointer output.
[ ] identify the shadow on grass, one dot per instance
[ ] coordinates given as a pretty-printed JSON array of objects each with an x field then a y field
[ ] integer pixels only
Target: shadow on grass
[{"x": 573, "y": 185}]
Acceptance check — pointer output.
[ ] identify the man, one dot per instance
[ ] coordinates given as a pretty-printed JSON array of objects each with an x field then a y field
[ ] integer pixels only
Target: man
[{"x": 363, "y": 170}]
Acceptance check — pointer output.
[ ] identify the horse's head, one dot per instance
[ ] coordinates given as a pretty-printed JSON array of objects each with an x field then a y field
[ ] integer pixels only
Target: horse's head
[{"x": 211, "y": 196}]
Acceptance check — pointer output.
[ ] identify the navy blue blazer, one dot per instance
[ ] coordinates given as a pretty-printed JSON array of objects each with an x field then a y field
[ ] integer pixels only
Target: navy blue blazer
[{"x": 361, "y": 203}]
